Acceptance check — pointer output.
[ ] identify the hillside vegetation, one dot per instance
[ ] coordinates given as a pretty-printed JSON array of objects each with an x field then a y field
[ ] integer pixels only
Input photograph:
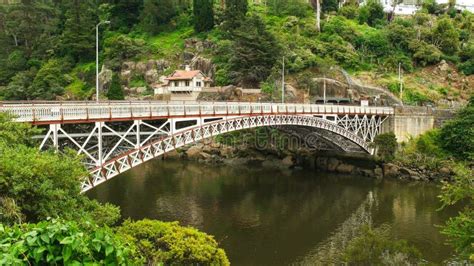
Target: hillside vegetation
[{"x": 54, "y": 59}]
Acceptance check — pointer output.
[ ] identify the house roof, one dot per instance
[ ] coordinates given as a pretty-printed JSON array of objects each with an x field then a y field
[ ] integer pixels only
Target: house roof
[{"x": 184, "y": 74}]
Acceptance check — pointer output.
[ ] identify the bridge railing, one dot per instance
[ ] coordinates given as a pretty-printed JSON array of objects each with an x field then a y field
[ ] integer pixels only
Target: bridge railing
[{"x": 91, "y": 111}]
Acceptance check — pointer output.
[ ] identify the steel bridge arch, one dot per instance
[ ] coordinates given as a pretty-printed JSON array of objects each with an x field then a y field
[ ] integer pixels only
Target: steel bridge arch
[{"x": 193, "y": 134}]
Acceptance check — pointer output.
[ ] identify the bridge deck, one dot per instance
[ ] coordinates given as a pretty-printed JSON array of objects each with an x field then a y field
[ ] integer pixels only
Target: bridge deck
[{"x": 73, "y": 112}]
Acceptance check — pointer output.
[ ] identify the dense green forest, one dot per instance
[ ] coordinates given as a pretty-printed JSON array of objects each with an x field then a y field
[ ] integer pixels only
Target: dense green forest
[{"x": 48, "y": 47}]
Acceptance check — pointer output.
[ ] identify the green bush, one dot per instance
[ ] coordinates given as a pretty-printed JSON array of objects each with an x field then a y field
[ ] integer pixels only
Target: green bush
[
  {"x": 349, "y": 11},
  {"x": 119, "y": 48},
  {"x": 115, "y": 91},
  {"x": 460, "y": 229},
  {"x": 457, "y": 135},
  {"x": 171, "y": 244},
  {"x": 55, "y": 242},
  {"x": 446, "y": 36},
  {"x": 424, "y": 53},
  {"x": 371, "y": 13},
  {"x": 44, "y": 183},
  {"x": 386, "y": 144}
]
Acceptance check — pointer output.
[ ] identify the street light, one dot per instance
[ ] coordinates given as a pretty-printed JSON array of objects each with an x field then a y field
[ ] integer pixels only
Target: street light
[{"x": 97, "y": 57}]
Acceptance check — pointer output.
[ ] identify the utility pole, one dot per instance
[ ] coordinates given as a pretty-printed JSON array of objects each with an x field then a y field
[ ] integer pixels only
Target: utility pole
[
  {"x": 97, "y": 57},
  {"x": 400, "y": 81},
  {"x": 283, "y": 82}
]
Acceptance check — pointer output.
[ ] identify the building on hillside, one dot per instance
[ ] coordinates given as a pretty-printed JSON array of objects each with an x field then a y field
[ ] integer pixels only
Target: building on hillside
[
  {"x": 409, "y": 7},
  {"x": 183, "y": 85}
]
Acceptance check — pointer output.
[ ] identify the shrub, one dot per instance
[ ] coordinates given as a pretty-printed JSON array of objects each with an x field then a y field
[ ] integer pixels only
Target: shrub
[
  {"x": 386, "y": 144},
  {"x": 55, "y": 242},
  {"x": 446, "y": 36},
  {"x": 457, "y": 135},
  {"x": 349, "y": 11},
  {"x": 424, "y": 53},
  {"x": 50, "y": 81},
  {"x": 459, "y": 229},
  {"x": 168, "y": 243},
  {"x": 119, "y": 48},
  {"x": 371, "y": 13},
  {"x": 115, "y": 91}
]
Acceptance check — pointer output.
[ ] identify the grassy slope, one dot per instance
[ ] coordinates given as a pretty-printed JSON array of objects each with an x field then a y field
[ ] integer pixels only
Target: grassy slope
[{"x": 297, "y": 37}]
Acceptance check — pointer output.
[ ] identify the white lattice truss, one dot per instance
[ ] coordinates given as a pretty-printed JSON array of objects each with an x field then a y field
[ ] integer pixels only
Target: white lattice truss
[
  {"x": 134, "y": 146},
  {"x": 116, "y": 136}
]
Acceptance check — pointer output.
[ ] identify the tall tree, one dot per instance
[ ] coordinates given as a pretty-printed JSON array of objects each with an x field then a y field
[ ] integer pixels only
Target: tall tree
[
  {"x": 115, "y": 92},
  {"x": 156, "y": 13},
  {"x": 78, "y": 38},
  {"x": 203, "y": 15},
  {"x": 253, "y": 54},
  {"x": 317, "y": 9},
  {"x": 235, "y": 11}
]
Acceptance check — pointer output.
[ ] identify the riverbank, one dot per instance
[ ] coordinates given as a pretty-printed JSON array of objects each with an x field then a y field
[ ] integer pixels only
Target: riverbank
[{"x": 213, "y": 152}]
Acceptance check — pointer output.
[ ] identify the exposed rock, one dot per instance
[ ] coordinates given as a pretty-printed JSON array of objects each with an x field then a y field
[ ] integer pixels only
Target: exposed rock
[
  {"x": 128, "y": 65},
  {"x": 173, "y": 154},
  {"x": 203, "y": 64},
  {"x": 187, "y": 57},
  {"x": 205, "y": 155},
  {"x": 126, "y": 75},
  {"x": 332, "y": 164},
  {"x": 140, "y": 67},
  {"x": 193, "y": 152},
  {"x": 390, "y": 170},
  {"x": 152, "y": 76},
  {"x": 140, "y": 90},
  {"x": 345, "y": 168},
  {"x": 162, "y": 65},
  {"x": 105, "y": 77},
  {"x": 378, "y": 172},
  {"x": 445, "y": 171},
  {"x": 443, "y": 66},
  {"x": 287, "y": 161}
]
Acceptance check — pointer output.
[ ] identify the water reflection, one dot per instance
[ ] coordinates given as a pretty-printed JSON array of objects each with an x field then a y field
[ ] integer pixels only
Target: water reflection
[{"x": 265, "y": 217}]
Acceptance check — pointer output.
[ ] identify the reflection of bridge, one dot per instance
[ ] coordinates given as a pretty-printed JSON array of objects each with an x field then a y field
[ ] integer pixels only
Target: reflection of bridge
[{"x": 116, "y": 136}]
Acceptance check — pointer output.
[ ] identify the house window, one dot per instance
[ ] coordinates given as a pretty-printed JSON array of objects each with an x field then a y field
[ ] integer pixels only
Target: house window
[
  {"x": 176, "y": 84},
  {"x": 198, "y": 83},
  {"x": 187, "y": 83}
]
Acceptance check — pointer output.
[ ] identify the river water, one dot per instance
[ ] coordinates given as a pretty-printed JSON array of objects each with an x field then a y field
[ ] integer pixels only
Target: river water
[{"x": 274, "y": 217}]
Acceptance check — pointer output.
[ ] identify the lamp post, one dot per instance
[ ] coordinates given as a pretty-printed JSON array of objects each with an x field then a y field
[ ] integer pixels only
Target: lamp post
[
  {"x": 97, "y": 57},
  {"x": 283, "y": 81}
]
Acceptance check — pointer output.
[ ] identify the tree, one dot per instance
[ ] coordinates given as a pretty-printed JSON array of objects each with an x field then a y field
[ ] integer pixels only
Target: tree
[
  {"x": 43, "y": 184},
  {"x": 120, "y": 47},
  {"x": 115, "y": 91},
  {"x": 460, "y": 229},
  {"x": 446, "y": 37},
  {"x": 317, "y": 9},
  {"x": 50, "y": 81},
  {"x": 203, "y": 15},
  {"x": 457, "y": 135},
  {"x": 253, "y": 54},
  {"x": 234, "y": 13},
  {"x": 156, "y": 13},
  {"x": 371, "y": 13},
  {"x": 57, "y": 242},
  {"x": 386, "y": 144},
  {"x": 169, "y": 243},
  {"x": 78, "y": 38}
]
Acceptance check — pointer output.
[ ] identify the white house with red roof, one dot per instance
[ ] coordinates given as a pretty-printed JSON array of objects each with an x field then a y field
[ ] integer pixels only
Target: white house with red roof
[{"x": 184, "y": 84}]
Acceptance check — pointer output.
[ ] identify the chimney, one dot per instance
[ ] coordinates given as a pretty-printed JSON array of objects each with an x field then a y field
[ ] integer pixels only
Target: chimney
[{"x": 187, "y": 68}]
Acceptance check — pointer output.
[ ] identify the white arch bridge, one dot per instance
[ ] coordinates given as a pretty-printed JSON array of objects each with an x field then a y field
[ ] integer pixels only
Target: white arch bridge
[{"x": 116, "y": 136}]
